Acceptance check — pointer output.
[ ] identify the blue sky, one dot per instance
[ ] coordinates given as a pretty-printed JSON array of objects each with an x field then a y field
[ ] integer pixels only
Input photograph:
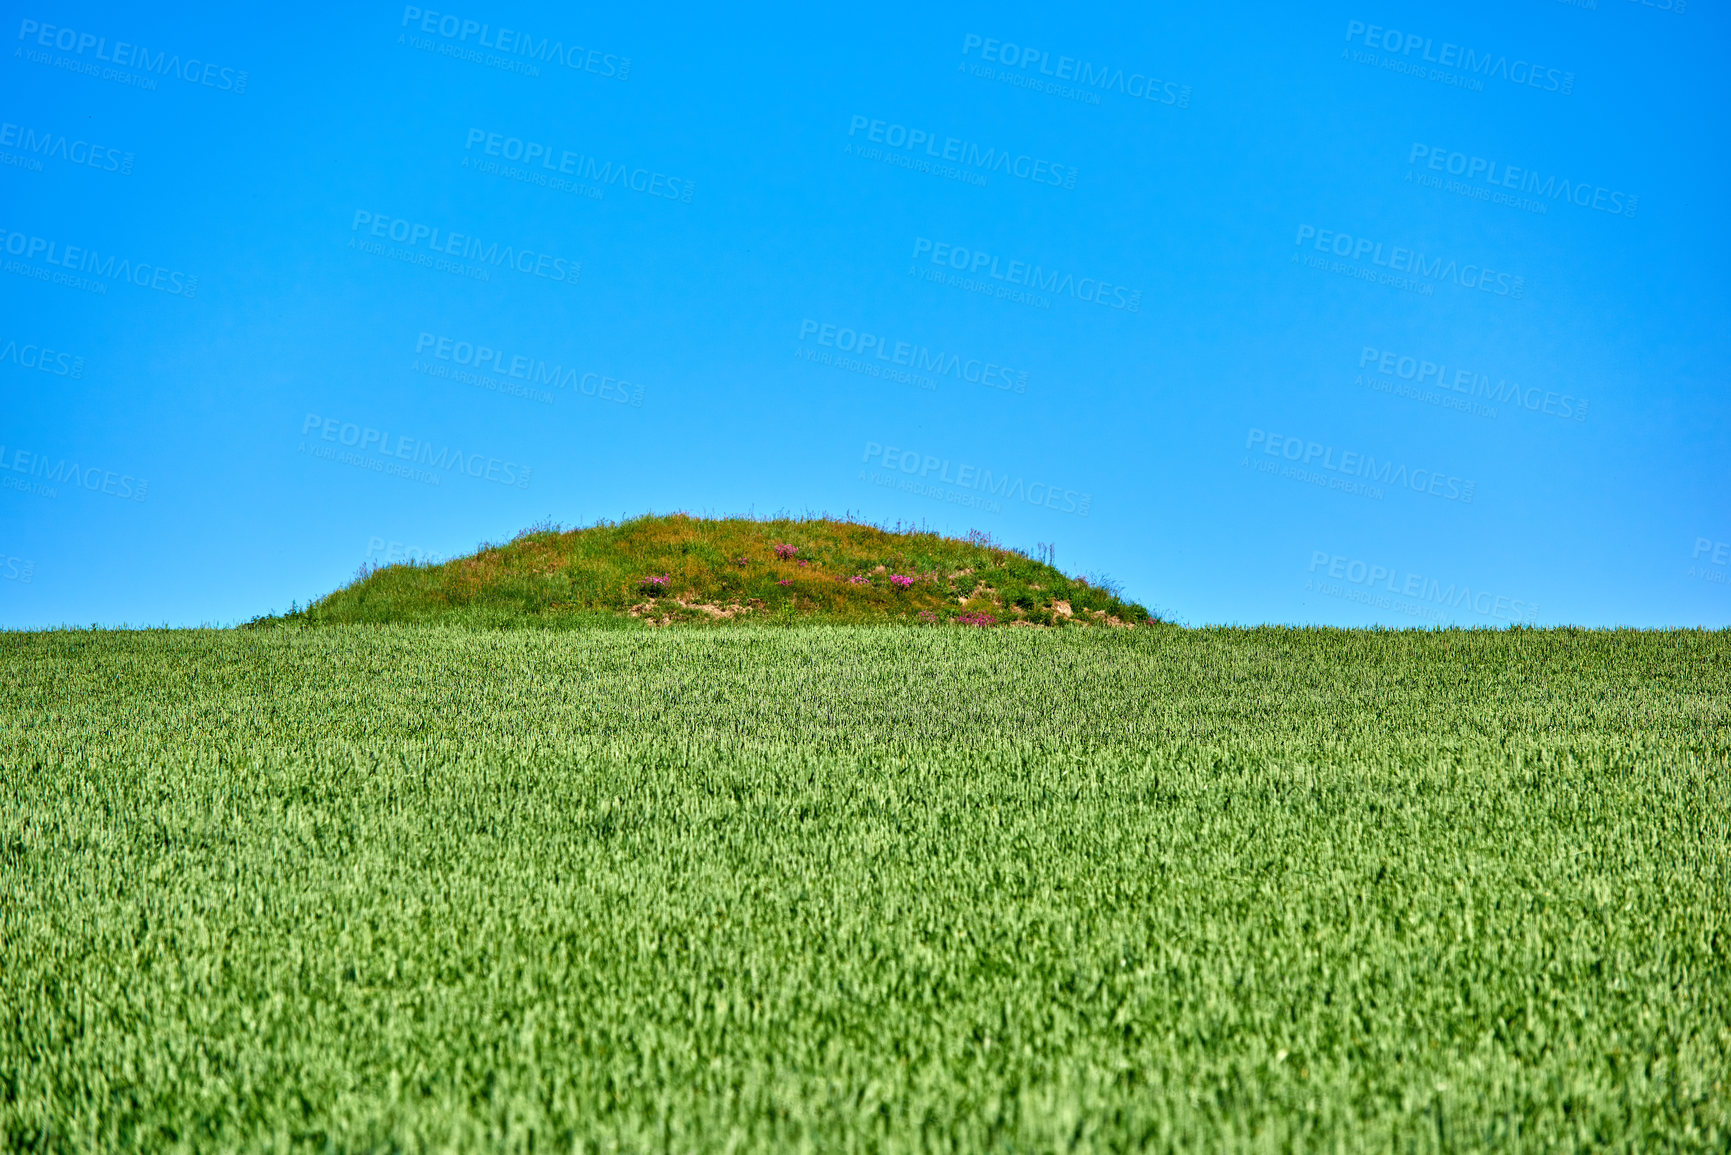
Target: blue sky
[{"x": 1390, "y": 313}]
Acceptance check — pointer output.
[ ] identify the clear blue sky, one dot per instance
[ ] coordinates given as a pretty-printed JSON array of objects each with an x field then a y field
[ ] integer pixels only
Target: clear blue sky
[{"x": 1341, "y": 313}]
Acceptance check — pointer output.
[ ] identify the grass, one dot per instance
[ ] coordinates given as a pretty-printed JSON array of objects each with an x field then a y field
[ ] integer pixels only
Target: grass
[
  {"x": 410, "y": 889},
  {"x": 683, "y": 570}
]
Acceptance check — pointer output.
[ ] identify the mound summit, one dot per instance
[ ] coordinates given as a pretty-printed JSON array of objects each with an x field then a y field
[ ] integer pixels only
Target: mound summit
[{"x": 683, "y": 570}]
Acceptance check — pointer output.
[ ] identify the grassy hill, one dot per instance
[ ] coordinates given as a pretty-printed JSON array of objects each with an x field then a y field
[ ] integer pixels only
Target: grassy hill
[{"x": 681, "y": 569}]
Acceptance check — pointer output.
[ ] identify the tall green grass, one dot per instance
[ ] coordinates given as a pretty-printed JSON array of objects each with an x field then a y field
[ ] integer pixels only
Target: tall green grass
[{"x": 376, "y": 889}]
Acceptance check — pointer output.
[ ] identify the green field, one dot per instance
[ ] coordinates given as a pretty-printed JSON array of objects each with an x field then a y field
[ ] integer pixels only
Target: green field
[{"x": 371, "y": 888}]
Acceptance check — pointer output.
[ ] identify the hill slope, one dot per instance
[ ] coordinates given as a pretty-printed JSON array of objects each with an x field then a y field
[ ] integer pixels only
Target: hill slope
[{"x": 681, "y": 569}]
